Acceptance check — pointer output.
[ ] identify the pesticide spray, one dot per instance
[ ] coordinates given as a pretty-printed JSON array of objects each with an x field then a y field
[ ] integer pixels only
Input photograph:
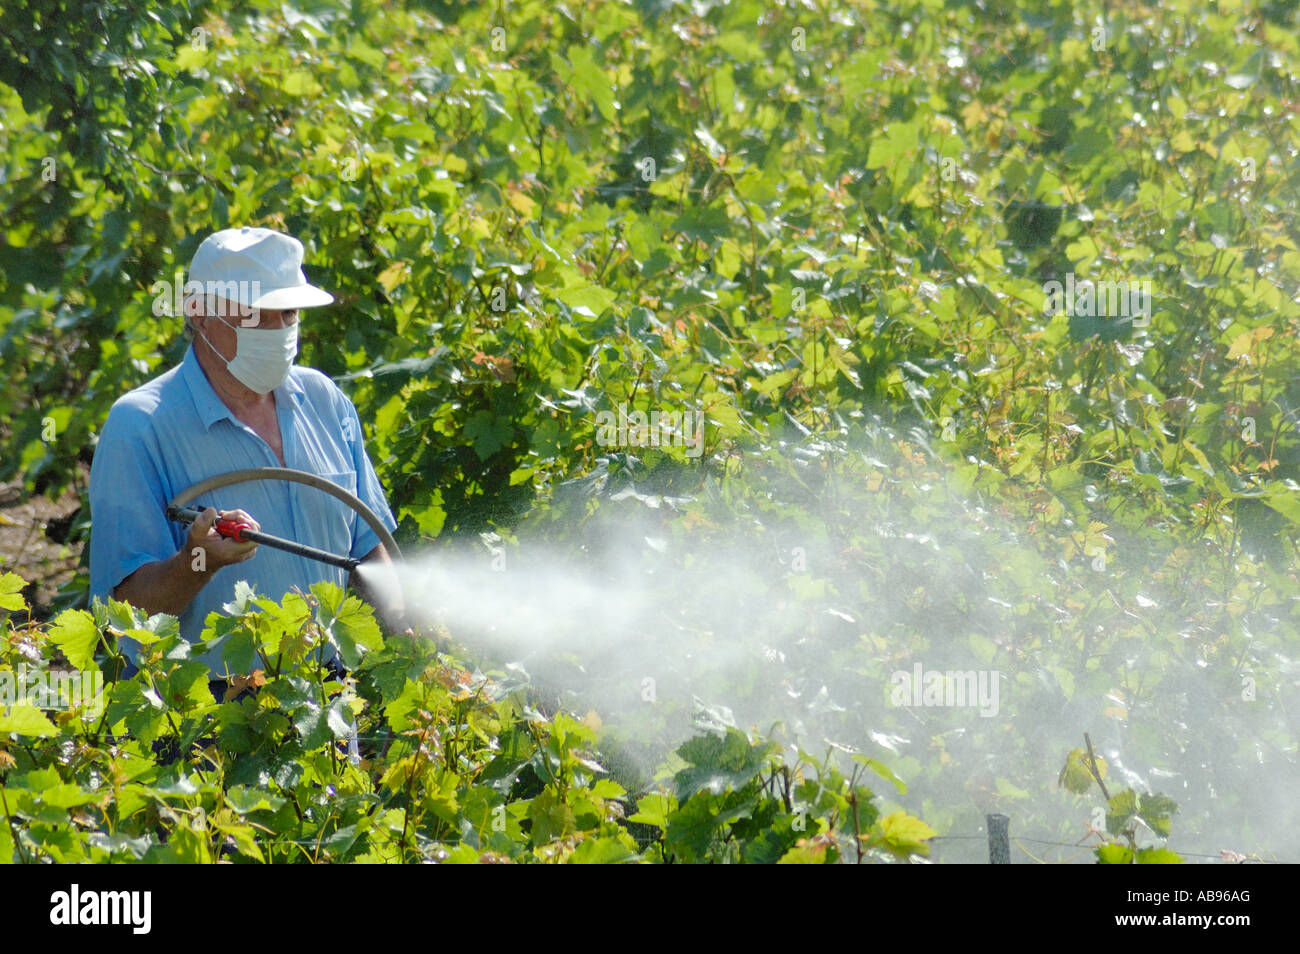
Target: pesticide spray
[
  {"x": 621, "y": 631},
  {"x": 891, "y": 626},
  {"x": 859, "y": 628}
]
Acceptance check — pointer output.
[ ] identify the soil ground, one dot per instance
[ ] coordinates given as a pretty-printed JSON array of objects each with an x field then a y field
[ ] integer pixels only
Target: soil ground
[{"x": 27, "y": 548}]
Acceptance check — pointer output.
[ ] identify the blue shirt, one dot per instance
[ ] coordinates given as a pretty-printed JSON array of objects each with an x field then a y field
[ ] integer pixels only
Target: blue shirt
[{"x": 174, "y": 431}]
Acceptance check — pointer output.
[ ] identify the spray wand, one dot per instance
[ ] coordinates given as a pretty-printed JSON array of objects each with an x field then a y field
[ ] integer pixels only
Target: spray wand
[{"x": 241, "y": 532}]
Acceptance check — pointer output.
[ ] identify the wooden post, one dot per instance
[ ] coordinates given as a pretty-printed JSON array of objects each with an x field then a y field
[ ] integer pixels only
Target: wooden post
[{"x": 999, "y": 839}]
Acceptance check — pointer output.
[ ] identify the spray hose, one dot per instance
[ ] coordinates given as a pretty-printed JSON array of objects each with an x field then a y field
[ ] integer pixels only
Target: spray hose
[{"x": 178, "y": 510}]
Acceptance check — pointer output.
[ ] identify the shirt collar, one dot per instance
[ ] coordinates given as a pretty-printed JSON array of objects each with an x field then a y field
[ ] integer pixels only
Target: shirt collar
[{"x": 206, "y": 401}]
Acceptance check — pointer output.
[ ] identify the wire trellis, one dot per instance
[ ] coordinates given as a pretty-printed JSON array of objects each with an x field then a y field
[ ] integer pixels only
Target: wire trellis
[{"x": 996, "y": 849}]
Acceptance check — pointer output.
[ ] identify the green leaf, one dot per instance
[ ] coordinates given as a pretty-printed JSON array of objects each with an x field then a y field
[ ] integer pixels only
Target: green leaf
[
  {"x": 65, "y": 796},
  {"x": 591, "y": 79},
  {"x": 690, "y": 829},
  {"x": 705, "y": 225},
  {"x": 1121, "y": 808},
  {"x": 311, "y": 726},
  {"x": 186, "y": 687},
  {"x": 337, "y": 718},
  {"x": 1114, "y": 855},
  {"x": 220, "y": 209},
  {"x": 1284, "y": 499},
  {"x": 11, "y": 587},
  {"x": 356, "y": 632},
  {"x": 244, "y": 595},
  {"x": 899, "y": 139},
  {"x": 1156, "y": 810},
  {"x": 1088, "y": 141},
  {"x": 75, "y": 633},
  {"x": 244, "y": 800},
  {"x": 245, "y": 839},
  {"x": 462, "y": 854},
  {"x": 348, "y": 623},
  {"x": 1158, "y": 856},
  {"x": 1076, "y": 776},
  {"x": 551, "y": 818},
  {"x": 589, "y": 300},
  {"x": 771, "y": 845},
  {"x": 654, "y": 809},
  {"x": 1104, "y": 327},
  {"x": 182, "y": 786},
  {"x": 904, "y": 835},
  {"x": 26, "y": 720},
  {"x": 883, "y": 770},
  {"x": 7, "y": 854},
  {"x": 239, "y": 651},
  {"x": 810, "y": 851},
  {"x": 601, "y": 851},
  {"x": 488, "y": 433},
  {"x": 718, "y": 764}
]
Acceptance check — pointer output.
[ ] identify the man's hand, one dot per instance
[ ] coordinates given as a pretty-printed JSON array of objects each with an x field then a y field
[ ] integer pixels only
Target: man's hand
[
  {"x": 220, "y": 551},
  {"x": 168, "y": 586}
]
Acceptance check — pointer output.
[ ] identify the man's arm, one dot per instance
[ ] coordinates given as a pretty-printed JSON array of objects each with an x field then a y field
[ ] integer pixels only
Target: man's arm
[
  {"x": 134, "y": 552},
  {"x": 168, "y": 586},
  {"x": 375, "y": 580}
]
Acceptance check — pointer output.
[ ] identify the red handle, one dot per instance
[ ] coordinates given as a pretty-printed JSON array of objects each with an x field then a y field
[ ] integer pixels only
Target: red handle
[{"x": 232, "y": 529}]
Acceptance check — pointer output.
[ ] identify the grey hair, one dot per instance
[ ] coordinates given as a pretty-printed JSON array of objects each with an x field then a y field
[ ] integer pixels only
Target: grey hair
[{"x": 187, "y": 320}]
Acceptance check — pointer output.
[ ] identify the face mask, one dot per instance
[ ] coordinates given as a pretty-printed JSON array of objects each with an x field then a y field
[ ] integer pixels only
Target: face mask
[{"x": 263, "y": 356}]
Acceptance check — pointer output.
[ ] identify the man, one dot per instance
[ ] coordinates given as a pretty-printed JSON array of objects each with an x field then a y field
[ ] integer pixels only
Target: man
[{"x": 236, "y": 401}]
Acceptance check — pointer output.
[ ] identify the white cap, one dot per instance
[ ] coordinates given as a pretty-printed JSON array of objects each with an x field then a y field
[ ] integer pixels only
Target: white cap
[{"x": 258, "y": 268}]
